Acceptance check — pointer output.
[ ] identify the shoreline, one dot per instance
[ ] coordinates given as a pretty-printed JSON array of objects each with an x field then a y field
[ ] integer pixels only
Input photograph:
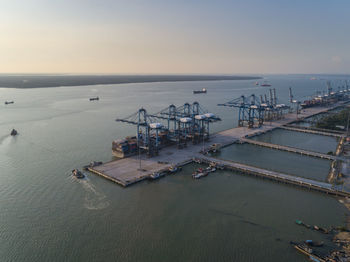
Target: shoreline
[{"x": 43, "y": 81}]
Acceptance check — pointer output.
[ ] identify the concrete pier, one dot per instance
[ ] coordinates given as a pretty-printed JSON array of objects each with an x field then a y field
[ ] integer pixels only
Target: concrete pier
[
  {"x": 310, "y": 131},
  {"x": 288, "y": 149},
  {"x": 127, "y": 171},
  {"x": 277, "y": 176}
]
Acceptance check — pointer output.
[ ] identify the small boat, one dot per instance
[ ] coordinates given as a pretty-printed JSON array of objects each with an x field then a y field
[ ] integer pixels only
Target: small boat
[
  {"x": 156, "y": 175},
  {"x": 14, "y": 132},
  {"x": 9, "y": 102},
  {"x": 77, "y": 173},
  {"x": 196, "y": 160},
  {"x": 94, "y": 98},
  {"x": 199, "y": 173},
  {"x": 203, "y": 91},
  {"x": 93, "y": 164},
  {"x": 321, "y": 229},
  {"x": 256, "y": 83},
  {"x": 216, "y": 166},
  {"x": 265, "y": 84},
  {"x": 174, "y": 169},
  {"x": 210, "y": 169},
  {"x": 301, "y": 223}
]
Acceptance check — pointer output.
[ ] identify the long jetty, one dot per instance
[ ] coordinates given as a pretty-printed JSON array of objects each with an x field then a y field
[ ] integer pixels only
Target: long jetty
[
  {"x": 277, "y": 176},
  {"x": 133, "y": 169},
  {"x": 293, "y": 125},
  {"x": 311, "y": 131},
  {"x": 288, "y": 149}
]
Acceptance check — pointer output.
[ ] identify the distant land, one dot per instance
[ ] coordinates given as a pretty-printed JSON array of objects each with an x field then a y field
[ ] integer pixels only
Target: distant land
[{"x": 36, "y": 81}]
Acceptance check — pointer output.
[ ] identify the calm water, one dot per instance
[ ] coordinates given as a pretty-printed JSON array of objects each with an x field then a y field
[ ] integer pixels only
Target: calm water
[
  {"x": 48, "y": 216},
  {"x": 276, "y": 160},
  {"x": 311, "y": 142}
]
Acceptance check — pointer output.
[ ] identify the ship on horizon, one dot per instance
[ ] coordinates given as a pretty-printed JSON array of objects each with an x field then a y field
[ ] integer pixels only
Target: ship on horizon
[{"x": 265, "y": 84}]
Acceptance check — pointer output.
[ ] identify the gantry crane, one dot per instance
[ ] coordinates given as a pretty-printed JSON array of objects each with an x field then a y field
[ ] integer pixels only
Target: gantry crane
[{"x": 250, "y": 110}]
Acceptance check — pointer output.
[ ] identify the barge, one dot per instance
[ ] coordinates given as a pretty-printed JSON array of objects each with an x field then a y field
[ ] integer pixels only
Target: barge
[
  {"x": 203, "y": 91},
  {"x": 94, "y": 98}
]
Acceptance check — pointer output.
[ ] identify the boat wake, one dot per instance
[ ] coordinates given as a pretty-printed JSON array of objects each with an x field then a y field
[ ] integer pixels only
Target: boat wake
[
  {"x": 94, "y": 200},
  {"x": 5, "y": 139}
]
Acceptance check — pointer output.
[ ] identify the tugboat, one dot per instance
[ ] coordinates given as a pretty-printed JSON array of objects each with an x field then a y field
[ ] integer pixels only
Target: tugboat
[
  {"x": 14, "y": 132},
  {"x": 203, "y": 91},
  {"x": 94, "y": 98},
  {"x": 9, "y": 102},
  {"x": 78, "y": 174}
]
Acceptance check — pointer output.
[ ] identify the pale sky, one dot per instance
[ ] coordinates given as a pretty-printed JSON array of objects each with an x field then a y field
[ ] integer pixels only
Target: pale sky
[{"x": 176, "y": 37}]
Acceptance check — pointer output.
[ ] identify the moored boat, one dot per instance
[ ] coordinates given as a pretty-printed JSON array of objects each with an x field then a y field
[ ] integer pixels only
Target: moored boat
[
  {"x": 321, "y": 229},
  {"x": 210, "y": 169},
  {"x": 156, "y": 175},
  {"x": 174, "y": 169},
  {"x": 312, "y": 243},
  {"x": 93, "y": 164},
  {"x": 199, "y": 173}
]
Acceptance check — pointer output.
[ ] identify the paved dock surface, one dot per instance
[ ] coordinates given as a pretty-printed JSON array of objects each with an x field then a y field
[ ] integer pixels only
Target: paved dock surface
[{"x": 126, "y": 171}]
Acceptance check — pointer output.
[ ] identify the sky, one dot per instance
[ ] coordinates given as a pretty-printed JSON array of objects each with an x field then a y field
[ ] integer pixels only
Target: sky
[{"x": 175, "y": 37}]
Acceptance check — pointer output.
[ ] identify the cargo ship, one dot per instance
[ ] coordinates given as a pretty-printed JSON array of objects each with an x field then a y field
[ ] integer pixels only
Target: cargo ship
[
  {"x": 203, "y": 91},
  {"x": 124, "y": 147},
  {"x": 317, "y": 101},
  {"x": 94, "y": 98}
]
